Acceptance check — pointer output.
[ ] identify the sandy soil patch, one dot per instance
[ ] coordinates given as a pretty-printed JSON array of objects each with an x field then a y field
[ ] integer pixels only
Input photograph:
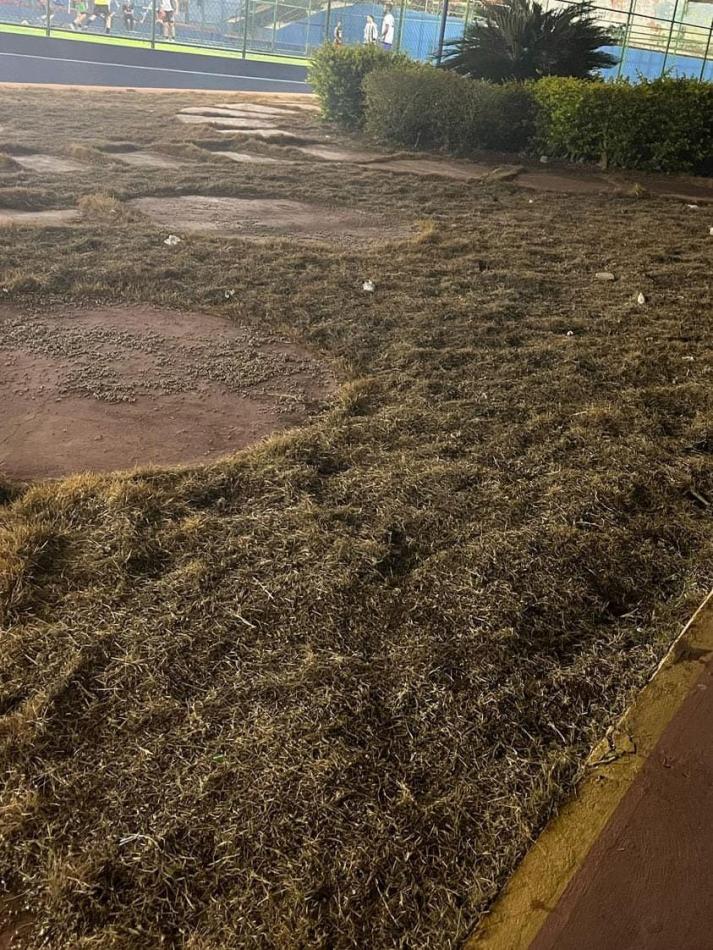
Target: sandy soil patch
[
  {"x": 267, "y": 217},
  {"x": 46, "y": 218},
  {"x": 114, "y": 388},
  {"x": 40, "y": 162}
]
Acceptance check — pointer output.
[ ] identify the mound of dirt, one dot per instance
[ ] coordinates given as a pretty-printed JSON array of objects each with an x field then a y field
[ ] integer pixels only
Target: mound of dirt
[
  {"x": 106, "y": 389},
  {"x": 260, "y": 218}
]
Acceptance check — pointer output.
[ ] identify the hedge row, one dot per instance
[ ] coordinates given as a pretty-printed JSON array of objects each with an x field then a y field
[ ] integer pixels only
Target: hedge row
[{"x": 664, "y": 125}]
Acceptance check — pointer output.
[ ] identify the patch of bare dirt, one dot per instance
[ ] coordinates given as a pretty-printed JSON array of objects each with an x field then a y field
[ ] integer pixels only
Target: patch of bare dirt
[
  {"x": 111, "y": 389},
  {"x": 268, "y": 217}
]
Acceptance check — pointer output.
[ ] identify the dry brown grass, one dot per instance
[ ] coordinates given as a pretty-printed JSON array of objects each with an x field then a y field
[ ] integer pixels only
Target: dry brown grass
[{"x": 323, "y": 693}]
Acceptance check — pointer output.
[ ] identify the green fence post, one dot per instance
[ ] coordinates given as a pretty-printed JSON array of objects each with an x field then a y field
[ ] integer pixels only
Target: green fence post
[
  {"x": 153, "y": 24},
  {"x": 467, "y": 15},
  {"x": 705, "y": 55},
  {"x": 48, "y": 16},
  {"x": 402, "y": 18},
  {"x": 326, "y": 21},
  {"x": 442, "y": 32},
  {"x": 245, "y": 31},
  {"x": 670, "y": 38},
  {"x": 625, "y": 40}
]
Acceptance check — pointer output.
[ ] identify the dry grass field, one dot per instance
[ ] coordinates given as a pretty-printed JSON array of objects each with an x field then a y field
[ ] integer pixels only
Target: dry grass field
[{"x": 324, "y": 691}]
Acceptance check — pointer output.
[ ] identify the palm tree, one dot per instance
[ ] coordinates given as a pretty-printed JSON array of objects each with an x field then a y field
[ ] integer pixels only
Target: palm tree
[{"x": 517, "y": 39}]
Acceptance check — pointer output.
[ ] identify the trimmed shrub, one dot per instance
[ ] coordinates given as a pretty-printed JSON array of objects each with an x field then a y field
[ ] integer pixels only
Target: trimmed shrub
[
  {"x": 337, "y": 74},
  {"x": 663, "y": 125},
  {"x": 424, "y": 107}
]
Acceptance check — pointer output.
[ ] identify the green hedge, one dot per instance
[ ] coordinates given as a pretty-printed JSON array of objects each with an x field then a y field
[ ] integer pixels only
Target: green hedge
[
  {"x": 337, "y": 73},
  {"x": 424, "y": 107},
  {"x": 664, "y": 125}
]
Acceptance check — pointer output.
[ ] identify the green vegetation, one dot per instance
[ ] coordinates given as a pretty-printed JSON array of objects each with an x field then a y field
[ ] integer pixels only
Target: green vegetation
[
  {"x": 337, "y": 74},
  {"x": 422, "y": 107},
  {"x": 665, "y": 125},
  {"x": 519, "y": 40}
]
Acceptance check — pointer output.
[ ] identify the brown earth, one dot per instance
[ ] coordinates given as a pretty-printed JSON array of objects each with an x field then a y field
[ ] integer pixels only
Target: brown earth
[
  {"x": 107, "y": 389},
  {"x": 259, "y": 218}
]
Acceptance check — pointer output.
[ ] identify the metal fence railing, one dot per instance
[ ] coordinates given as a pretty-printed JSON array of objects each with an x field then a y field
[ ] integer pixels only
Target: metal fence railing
[{"x": 653, "y": 36}]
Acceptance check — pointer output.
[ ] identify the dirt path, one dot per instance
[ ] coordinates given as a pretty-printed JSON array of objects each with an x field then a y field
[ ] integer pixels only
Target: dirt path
[{"x": 110, "y": 389}]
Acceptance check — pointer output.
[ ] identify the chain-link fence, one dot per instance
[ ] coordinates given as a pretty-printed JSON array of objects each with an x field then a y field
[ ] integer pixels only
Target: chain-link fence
[{"x": 653, "y": 36}]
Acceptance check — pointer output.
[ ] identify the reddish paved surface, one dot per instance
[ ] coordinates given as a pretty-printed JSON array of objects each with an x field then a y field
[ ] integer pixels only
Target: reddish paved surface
[{"x": 647, "y": 883}]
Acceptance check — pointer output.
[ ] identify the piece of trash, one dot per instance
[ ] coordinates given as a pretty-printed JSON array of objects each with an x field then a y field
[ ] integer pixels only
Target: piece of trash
[
  {"x": 605, "y": 275},
  {"x": 641, "y": 299},
  {"x": 688, "y": 359},
  {"x": 369, "y": 286},
  {"x": 531, "y": 201},
  {"x": 172, "y": 240},
  {"x": 694, "y": 207},
  {"x": 570, "y": 332},
  {"x": 710, "y": 231},
  {"x": 544, "y": 159},
  {"x": 6, "y": 290},
  {"x": 228, "y": 294}
]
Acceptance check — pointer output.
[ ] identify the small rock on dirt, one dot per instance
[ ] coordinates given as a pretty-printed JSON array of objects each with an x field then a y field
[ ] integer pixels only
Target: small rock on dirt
[{"x": 605, "y": 275}]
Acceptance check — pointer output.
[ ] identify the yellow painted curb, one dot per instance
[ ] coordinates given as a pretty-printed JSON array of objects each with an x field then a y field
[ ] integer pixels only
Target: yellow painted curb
[{"x": 548, "y": 867}]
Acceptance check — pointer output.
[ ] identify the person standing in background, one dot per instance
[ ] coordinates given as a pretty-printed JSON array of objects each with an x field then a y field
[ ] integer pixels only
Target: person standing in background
[
  {"x": 168, "y": 19},
  {"x": 339, "y": 34},
  {"x": 371, "y": 33},
  {"x": 387, "y": 28}
]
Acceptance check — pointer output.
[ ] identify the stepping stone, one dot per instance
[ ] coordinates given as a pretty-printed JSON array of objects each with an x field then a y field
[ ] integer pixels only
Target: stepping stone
[
  {"x": 236, "y": 111},
  {"x": 278, "y": 136},
  {"x": 329, "y": 154},
  {"x": 48, "y": 163},
  {"x": 145, "y": 159},
  {"x": 250, "y": 158},
  {"x": 256, "y": 109},
  {"x": 262, "y": 219},
  {"x": 226, "y": 122},
  {"x": 15, "y": 216},
  {"x": 425, "y": 166}
]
